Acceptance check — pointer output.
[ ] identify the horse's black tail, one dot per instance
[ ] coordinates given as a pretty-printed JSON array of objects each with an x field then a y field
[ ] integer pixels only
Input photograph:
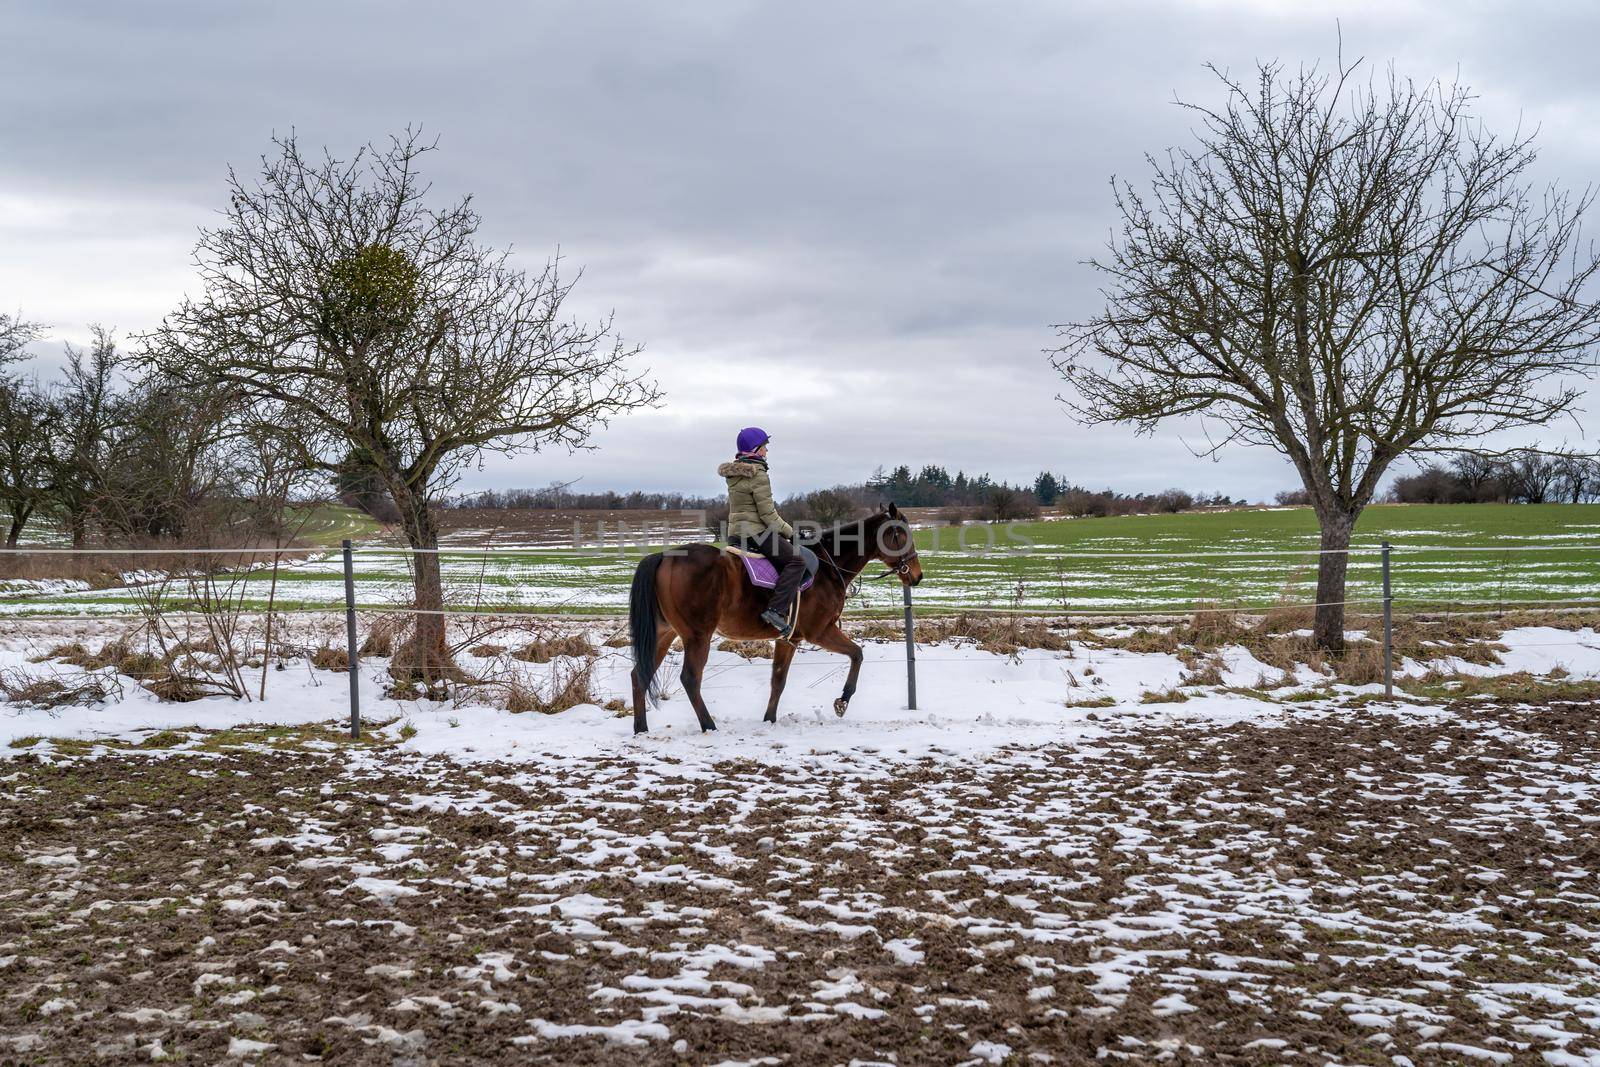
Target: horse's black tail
[{"x": 643, "y": 612}]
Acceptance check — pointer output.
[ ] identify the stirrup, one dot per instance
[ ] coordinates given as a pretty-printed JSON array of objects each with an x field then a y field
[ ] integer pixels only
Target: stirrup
[{"x": 784, "y": 626}]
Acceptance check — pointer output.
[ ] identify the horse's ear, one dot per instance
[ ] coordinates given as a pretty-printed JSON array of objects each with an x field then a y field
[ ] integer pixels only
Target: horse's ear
[{"x": 894, "y": 512}]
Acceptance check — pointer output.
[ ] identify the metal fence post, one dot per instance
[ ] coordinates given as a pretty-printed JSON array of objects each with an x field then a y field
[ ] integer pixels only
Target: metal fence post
[
  {"x": 350, "y": 639},
  {"x": 911, "y": 653},
  {"x": 1388, "y": 629}
]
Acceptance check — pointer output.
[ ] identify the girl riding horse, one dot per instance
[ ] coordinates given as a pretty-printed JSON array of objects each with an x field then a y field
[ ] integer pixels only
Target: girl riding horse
[
  {"x": 695, "y": 591},
  {"x": 754, "y": 524}
]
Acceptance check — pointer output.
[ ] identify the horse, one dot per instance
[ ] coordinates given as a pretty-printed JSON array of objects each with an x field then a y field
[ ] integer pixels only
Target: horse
[{"x": 699, "y": 590}]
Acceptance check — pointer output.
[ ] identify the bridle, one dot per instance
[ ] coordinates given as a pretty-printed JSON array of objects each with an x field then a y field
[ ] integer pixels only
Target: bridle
[{"x": 902, "y": 566}]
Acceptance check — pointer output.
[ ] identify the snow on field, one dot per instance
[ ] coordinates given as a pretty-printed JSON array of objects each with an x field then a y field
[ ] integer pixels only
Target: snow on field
[{"x": 969, "y": 701}]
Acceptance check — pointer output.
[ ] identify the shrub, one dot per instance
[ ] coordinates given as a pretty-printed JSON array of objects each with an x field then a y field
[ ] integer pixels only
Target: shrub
[
  {"x": 52, "y": 691},
  {"x": 328, "y": 658},
  {"x": 546, "y": 648}
]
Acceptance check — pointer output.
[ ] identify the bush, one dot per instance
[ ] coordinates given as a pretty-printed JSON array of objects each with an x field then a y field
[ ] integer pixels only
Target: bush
[
  {"x": 570, "y": 684},
  {"x": 1005, "y": 504},
  {"x": 544, "y": 649},
  {"x": 55, "y": 691}
]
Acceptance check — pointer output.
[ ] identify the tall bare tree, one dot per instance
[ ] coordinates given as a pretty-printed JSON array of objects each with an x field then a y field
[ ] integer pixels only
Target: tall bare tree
[
  {"x": 90, "y": 408},
  {"x": 333, "y": 289},
  {"x": 27, "y": 432},
  {"x": 1345, "y": 273},
  {"x": 29, "y": 429}
]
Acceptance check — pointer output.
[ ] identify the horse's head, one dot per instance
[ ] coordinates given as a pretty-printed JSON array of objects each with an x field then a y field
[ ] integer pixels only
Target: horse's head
[{"x": 894, "y": 547}]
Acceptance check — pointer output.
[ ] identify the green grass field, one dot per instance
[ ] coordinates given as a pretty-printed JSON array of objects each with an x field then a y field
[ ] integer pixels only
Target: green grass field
[
  {"x": 1486, "y": 554},
  {"x": 1443, "y": 554}
]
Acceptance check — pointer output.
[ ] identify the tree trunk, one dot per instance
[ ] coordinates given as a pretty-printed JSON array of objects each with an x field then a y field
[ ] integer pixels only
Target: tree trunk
[
  {"x": 425, "y": 656},
  {"x": 19, "y": 520},
  {"x": 1328, "y": 631}
]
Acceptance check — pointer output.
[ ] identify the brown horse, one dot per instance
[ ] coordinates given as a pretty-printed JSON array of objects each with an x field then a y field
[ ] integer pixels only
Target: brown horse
[{"x": 696, "y": 591}]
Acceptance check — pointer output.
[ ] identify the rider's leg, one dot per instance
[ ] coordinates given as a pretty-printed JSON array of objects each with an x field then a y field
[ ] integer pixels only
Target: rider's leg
[{"x": 791, "y": 571}]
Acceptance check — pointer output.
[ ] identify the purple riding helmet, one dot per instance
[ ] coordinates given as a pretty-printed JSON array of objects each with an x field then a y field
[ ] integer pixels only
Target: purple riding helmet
[{"x": 752, "y": 438}]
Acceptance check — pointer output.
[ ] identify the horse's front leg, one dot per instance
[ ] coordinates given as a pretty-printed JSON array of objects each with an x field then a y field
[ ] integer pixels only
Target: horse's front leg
[
  {"x": 835, "y": 640},
  {"x": 782, "y": 656}
]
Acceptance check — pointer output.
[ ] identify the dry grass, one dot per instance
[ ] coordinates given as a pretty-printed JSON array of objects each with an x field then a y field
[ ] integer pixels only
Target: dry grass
[
  {"x": 1361, "y": 663},
  {"x": 570, "y": 683},
  {"x": 1286, "y": 618},
  {"x": 385, "y": 635},
  {"x": 35, "y": 690},
  {"x": 748, "y": 649},
  {"x": 1569, "y": 619},
  {"x": 1144, "y": 639},
  {"x": 488, "y": 650},
  {"x": 546, "y": 647},
  {"x": 1213, "y": 627},
  {"x": 177, "y": 688},
  {"x": 328, "y": 658},
  {"x": 1516, "y": 687},
  {"x": 1002, "y": 634},
  {"x": 1172, "y": 695},
  {"x": 1205, "y": 672}
]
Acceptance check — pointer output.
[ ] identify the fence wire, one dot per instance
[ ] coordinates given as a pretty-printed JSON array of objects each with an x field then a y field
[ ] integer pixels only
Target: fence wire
[{"x": 262, "y": 558}]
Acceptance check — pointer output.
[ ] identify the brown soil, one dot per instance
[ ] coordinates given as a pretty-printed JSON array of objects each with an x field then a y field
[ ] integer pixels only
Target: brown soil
[{"x": 1354, "y": 886}]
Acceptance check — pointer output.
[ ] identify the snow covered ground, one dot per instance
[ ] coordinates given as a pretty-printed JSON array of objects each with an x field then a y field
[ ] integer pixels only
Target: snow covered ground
[
  {"x": 969, "y": 701},
  {"x": 996, "y": 877}
]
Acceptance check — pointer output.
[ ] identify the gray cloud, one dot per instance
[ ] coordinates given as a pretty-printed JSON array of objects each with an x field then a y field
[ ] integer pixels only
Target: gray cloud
[{"x": 887, "y": 203}]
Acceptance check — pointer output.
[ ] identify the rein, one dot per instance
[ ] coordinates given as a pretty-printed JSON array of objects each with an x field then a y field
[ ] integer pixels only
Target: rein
[{"x": 902, "y": 565}]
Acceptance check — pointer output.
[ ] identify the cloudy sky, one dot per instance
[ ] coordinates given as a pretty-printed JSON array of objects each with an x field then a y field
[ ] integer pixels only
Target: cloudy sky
[{"x": 849, "y": 223}]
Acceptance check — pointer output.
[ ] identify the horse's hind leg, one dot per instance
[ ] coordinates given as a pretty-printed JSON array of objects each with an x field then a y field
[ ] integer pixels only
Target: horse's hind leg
[
  {"x": 836, "y": 640},
  {"x": 640, "y": 697},
  {"x": 781, "y": 657},
  {"x": 696, "y": 650}
]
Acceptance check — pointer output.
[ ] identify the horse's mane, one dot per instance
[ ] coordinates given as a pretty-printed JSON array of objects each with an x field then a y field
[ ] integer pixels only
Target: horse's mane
[{"x": 831, "y": 538}]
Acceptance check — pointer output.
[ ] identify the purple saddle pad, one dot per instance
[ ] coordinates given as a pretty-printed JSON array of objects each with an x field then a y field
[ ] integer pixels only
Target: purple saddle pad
[{"x": 765, "y": 575}]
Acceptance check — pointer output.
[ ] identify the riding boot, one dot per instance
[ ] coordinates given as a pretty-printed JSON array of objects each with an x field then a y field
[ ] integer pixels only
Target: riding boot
[{"x": 791, "y": 568}]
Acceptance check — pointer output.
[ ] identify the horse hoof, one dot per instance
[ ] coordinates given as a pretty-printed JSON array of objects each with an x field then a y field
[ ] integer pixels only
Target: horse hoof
[
  {"x": 637, "y": 730},
  {"x": 707, "y": 727},
  {"x": 839, "y": 706}
]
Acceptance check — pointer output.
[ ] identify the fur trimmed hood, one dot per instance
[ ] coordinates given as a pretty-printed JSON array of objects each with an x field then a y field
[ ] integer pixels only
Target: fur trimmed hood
[{"x": 737, "y": 468}]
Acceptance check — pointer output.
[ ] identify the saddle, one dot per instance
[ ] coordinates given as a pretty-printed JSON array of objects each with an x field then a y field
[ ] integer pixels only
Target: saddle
[{"x": 763, "y": 574}]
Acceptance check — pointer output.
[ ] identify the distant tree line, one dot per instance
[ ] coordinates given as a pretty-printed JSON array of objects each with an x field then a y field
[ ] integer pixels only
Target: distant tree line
[
  {"x": 1526, "y": 476},
  {"x": 959, "y": 496},
  {"x": 561, "y": 497},
  {"x": 1523, "y": 477}
]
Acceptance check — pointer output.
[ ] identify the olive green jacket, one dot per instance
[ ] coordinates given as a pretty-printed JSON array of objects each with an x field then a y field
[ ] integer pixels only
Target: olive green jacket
[{"x": 750, "y": 509}]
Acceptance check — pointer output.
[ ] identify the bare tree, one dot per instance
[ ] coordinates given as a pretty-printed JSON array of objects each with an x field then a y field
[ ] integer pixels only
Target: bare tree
[
  {"x": 27, "y": 429},
  {"x": 1532, "y": 477},
  {"x": 1579, "y": 476},
  {"x": 90, "y": 408},
  {"x": 28, "y": 437},
  {"x": 15, "y": 335},
  {"x": 1481, "y": 476},
  {"x": 1345, "y": 274},
  {"x": 332, "y": 288},
  {"x": 171, "y": 473}
]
